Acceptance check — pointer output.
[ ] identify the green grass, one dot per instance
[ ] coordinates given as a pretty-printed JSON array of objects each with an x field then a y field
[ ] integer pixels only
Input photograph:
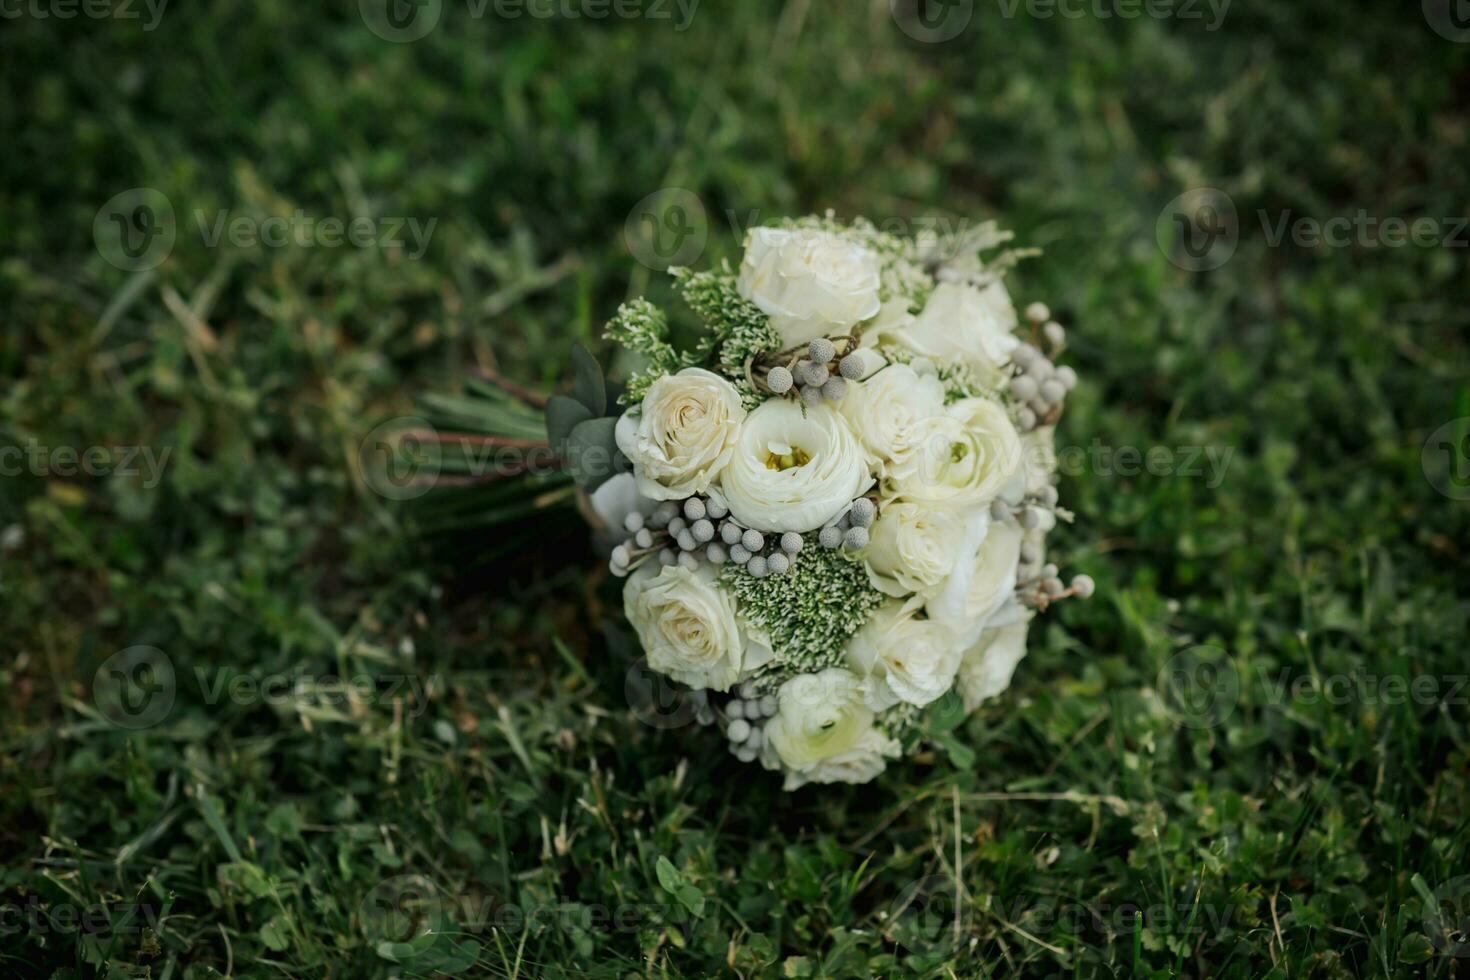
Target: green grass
[{"x": 493, "y": 752}]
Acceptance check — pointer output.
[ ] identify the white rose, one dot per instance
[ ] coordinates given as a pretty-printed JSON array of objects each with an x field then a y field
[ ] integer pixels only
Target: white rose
[
  {"x": 888, "y": 411},
  {"x": 912, "y": 547},
  {"x": 986, "y": 668},
  {"x": 793, "y": 469},
  {"x": 965, "y": 456},
  {"x": 963, "y": 324},
  {"x": 824, "y": 732},
  {"x": 903, "y": 658},
  {"x": 810, "y": 283},
  {"x": 683, "y": 433},
  {"x": 687, "y": 626},
  {"x": 984, "y": 578}
]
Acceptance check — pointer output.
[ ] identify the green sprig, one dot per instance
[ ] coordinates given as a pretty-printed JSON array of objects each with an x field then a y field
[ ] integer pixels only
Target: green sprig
[{"x": 811, "y": 611}]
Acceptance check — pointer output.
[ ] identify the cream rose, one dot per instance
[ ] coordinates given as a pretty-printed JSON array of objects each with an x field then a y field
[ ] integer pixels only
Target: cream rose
[
  {"x": 683, "y": 433},
  {"x": 810, "y": 283},
  {"x": 986, "y": 668},
  {"x": 902, "y": 657},
  {"x": 793, "y": 469},
  {"x": 982, "y": 581},
  {"x": 687, "y": 626},
  {"x": 965, "y": 456},
  {"x": 961, "y": 323},
  {"x": 912, "y": 547},
  {"x": 823, "y": 731},
  {"x": 888, "y": 412}
]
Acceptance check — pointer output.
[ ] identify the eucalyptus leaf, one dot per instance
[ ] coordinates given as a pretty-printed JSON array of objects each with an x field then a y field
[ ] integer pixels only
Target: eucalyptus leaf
[
  {"x": 563, "y": 414},
  {"x": 588, "y": 386},
  {"x": 591, "y": 452}
]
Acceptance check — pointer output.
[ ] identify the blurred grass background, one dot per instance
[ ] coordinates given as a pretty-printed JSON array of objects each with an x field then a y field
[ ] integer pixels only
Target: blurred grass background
[{"x": 1103, "y": 829}]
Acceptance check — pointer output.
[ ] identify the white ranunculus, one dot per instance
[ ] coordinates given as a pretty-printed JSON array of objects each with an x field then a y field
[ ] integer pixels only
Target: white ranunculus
[
  {"x": 888, "y": 412},
  {"x": 682, "y": 434},
  {"x": 963, "y": 324},
  {"x": 793, "y": 469},
  {"x": 810, "y": 283},
  {"x": 687, "y": 626},
  {"x": 912, "y": 547},
  {"x": 824, "y": 731},
  {"x": 986, "y": 668},
  {"x": 902, "y": 657},
  {"x": 965, "y": 456},
  {"x": 984, "y": 578}
]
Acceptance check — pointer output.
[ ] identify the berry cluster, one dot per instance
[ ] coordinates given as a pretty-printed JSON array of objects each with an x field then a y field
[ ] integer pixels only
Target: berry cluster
[
  {"x": 1040, "y": 387},
  {"x": 701, "y": 530},
  {"x": 1041, "y": 586},
  {"x": 851, "y": 529},
  {"x": 1035, "y": 511},
  {"x": 744, "y": 717},
  {"x": 821, "y": 374}
]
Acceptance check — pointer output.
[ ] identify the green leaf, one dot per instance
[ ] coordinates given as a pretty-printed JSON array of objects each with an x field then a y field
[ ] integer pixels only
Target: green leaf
[
  {"x": 563, "y": 414},
  {"x": 276, "y": 934},
  {"x": 1415, "y": 949},
  {"x": 668, "y": 875},
  {"x": 588, "y": 386},
  {"x": 796, "y": 966},
  {"x": 959, "y": 753},
  {"x": 591, "y": 452},
  {"x": 945, "y": 714},
  {"x": 691, "y": 898}
]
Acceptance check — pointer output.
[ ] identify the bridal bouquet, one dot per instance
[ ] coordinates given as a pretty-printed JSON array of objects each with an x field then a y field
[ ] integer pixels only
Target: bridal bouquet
[{"x": 831, "y": 508}]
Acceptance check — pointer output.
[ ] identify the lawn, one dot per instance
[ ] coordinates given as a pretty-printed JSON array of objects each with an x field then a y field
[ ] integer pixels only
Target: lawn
[{"x": 257, "y": 721}]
